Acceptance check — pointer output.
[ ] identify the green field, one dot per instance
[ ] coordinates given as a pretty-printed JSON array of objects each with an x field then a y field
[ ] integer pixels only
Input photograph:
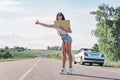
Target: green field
[
  {"x": 27, "y": 54},
  {"x": 53, "y": 54}
]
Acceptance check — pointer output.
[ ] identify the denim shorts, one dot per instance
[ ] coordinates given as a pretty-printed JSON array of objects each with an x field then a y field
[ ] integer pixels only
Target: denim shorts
[{"x": 67, "y": 38}]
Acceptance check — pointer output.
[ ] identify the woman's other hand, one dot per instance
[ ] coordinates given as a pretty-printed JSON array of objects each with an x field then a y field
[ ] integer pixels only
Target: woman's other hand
[{"x": 65, "y": 29}]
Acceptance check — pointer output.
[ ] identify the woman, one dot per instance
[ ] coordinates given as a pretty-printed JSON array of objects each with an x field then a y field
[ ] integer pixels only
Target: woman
[{"x": 66, "y": 45}]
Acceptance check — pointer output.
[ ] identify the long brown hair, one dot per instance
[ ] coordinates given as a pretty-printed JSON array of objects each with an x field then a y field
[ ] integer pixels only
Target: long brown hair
[{"x": 60, "y": 14}]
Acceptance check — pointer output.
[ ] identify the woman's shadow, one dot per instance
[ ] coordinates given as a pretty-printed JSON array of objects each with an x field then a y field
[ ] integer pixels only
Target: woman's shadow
[{"x": 98, "y": 77}]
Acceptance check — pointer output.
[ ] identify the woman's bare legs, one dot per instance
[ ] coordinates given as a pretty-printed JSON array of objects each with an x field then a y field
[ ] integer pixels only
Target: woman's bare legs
[
  {"x": 68, "y": 51},
  {"x": 64, "y": 55},
  {"x": 66, "y": 48}
]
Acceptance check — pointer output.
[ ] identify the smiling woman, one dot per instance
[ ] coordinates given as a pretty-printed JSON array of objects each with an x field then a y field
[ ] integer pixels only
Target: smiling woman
[{"x": 66, "y": 41}]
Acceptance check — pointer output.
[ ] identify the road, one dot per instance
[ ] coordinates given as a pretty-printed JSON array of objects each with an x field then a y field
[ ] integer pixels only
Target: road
[{"x": 48, "y": 69}]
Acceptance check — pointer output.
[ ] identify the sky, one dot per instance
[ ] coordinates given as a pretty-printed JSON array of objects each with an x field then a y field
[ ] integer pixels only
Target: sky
[{"x": 17, "y": 22}]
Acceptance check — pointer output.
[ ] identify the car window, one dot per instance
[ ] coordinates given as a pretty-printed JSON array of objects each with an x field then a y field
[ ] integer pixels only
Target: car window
[
  {"x": 89, "y": 50},
  {"x": 81, "y": 50}
]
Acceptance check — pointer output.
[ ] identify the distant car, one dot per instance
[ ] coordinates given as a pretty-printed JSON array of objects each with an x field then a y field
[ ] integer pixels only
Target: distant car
[{"x": 85, "y": 55}]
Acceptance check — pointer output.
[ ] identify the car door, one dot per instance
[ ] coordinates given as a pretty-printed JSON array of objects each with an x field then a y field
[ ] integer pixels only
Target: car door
[{"x": 77, "y": 56}]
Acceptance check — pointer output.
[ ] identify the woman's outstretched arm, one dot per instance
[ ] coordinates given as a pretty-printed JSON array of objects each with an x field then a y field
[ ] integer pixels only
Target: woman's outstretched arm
[{"x": 45, "y": 25}]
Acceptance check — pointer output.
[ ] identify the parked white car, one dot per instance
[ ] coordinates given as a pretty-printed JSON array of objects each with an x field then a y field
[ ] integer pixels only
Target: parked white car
[{"x": 85, "y": 55}]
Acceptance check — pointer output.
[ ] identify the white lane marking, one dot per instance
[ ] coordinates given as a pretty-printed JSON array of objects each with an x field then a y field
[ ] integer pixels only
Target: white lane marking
[{"x": 25, "y": 74}]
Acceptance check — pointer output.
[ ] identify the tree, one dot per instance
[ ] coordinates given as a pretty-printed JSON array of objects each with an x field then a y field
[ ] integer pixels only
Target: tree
[
  {"x": 107, "y": 31},
  {"x": 95, "y": 47},
  {"x": 6, "y": 47},
  {"x": 7, "y": 55}
]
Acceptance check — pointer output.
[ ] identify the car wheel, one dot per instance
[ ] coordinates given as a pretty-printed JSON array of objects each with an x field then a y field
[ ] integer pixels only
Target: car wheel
[
  {"x": 100, "y": 64},
  {"x": 81, "y": 61},
  {"x": 90, "y": 64}
]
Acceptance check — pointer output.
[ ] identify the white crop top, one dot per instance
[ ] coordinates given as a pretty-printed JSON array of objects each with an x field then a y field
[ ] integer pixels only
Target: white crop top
[{"x": 59, "y": 31}]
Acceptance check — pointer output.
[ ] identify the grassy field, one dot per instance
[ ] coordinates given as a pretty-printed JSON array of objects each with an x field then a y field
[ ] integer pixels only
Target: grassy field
[
  {"x": 53, "y": 54},
  {"x": 58, "y": 55},
  {"x": 112, "y": 64},
  {"x": 28, "y": 54}
]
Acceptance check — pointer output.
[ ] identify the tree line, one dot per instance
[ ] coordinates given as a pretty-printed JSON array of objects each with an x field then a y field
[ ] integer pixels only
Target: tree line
[
  {"x": 54, "y": 48},
  {"x": 108, "y": 31},
  {"x": 9, "y": 52}
]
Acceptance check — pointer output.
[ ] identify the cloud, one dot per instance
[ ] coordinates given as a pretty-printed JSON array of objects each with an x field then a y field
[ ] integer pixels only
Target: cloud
[
  {"x": 26, "y": 20},
  {"x": 29, "y": 19},
  {"x": 84, "y": 11},
  {"x": 12, "y": 40},
  {"x": 38, "y": 42},
  {"x": 9, "y": 3},
  {"x": 11, "y": 6},
  {"x": 83, "y": 41}
]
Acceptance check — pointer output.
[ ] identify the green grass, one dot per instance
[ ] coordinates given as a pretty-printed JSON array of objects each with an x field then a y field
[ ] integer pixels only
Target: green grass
[
  {"x": 53, "y": 54},
  {"x": 28, "y": 54},
  {"x": 58, "y": 55},
  {"x": 113, "y": 64}
]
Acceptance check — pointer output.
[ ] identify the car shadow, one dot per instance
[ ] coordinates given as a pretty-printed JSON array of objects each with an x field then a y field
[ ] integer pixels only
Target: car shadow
[{"x": 98, "y": 77}]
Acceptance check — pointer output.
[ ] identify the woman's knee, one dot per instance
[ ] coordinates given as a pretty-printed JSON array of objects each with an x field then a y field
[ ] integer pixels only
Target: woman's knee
[
  {"x": 69, "y": 54},
  {"x": 64, "y": 51}
]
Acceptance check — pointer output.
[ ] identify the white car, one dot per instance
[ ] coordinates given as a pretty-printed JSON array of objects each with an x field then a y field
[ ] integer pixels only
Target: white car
[{"x": 85, "y": 55}]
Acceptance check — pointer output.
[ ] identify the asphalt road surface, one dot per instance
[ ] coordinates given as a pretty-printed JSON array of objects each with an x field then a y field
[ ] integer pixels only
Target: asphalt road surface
[{"x": 48, "y": 69}]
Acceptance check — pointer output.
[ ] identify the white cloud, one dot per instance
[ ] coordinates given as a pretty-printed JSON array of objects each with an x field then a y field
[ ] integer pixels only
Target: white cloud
[
  {"x": 11, "y": 6},
  {"x": 29, "y": 19},
  {"x": 9, "y": 3},
  {"x": 38, "y": 42},
  {"x": 26, "y": 20},
  {"x": 0, "y": 20},
  {"x": 83, "y": 40},
  {"x": 85, "y": 11}
]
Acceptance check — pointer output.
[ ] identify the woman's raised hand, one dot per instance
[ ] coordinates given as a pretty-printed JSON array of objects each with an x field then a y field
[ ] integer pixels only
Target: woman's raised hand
[
  {"x": 37, "y": 22},
  {"x": 43, "y": 24}
]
